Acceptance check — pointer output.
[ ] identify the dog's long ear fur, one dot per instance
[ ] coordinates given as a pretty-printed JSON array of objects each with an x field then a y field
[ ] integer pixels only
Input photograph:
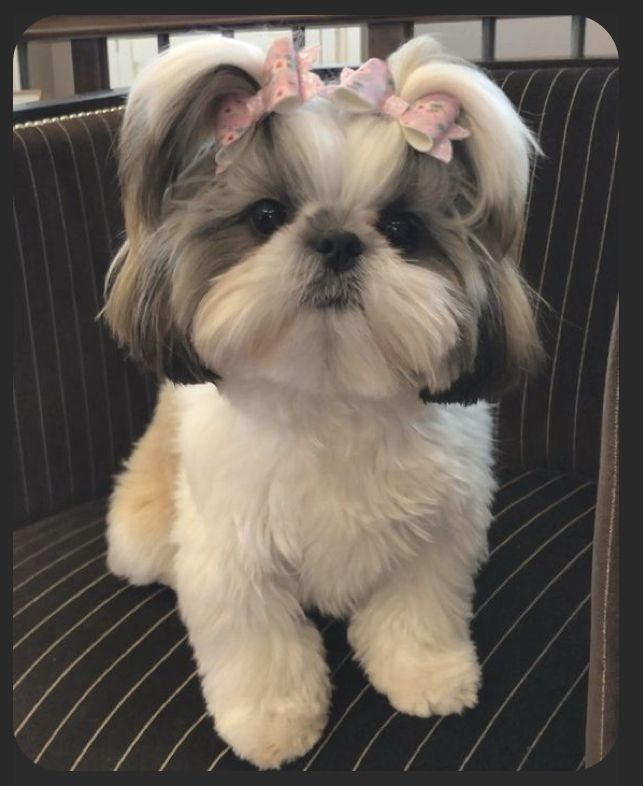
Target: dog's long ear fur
[
  {"x": 497, "y": 157},
  {"x": 168, "y": 124}
]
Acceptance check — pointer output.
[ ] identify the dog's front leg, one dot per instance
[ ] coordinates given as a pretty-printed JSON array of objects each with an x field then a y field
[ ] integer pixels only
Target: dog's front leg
[
  {"x": 262, "y": 665},
  {"x": 412, "y": 635}
]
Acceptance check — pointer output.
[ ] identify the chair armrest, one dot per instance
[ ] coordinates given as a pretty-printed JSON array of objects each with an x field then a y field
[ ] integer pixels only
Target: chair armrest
[{"x": 602, "y": 705}]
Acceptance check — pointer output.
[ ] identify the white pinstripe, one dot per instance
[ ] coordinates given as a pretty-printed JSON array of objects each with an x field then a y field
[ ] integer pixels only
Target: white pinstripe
[
  {"x": 183, "y": 738},
  {"x": 572, "y": 260},
  {"x": 543, "y": 114},
  {"x": 608, "y": 570},
  {"x": 531, "y": 556},
  {"x": 372, "y": 740},
  {"x": 94, "y": 292},
  {"x": 34, "y": 357},
  {"x": 557, "y": 189},
  {"x": 101, "y": 190},
  {"x": 557, "y": 709},
  {"x": 60, "y": 581},
  {"x": 516, "y": 479},
  {"x": 335, "y": 727},
  {"x": 42, "y": 529},
  {"x": 122, "y": 701},
  {"x": 21, "y": 456},
  {"x": 128, "y": 396},
  {"x": 506, "y": 79},
  {"x": 499, "y": 642},
  {"x": 93, "y": 523},
  {"x": 53, "y": 613},
  {"x": 99, "y": 679},
  {"x": 57, "y": 560},
  {"x": 390, "y": 718},
  {"x": 597, "y": 268},
  {"x": 74, "y": 309},
  {"x": 520, "y": 103},
  {"x": 526, "y": 496},
  {"x": 551, "y": 224},
  {"x": 498, "y": 546},
  {"x": 218, "y": 758},
  {"x": 153, "y": 717},
  {"x": 50, "y": 295},
  {"x": 546, "y": 649},
  {"x": 85, "y": 652},
  {"x": 110, "y": 240},
  {"x": 535, "y": 600}
]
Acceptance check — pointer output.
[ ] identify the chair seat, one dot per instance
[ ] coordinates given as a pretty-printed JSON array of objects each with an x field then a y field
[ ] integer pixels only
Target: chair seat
[{"x": 104, "y": 677}]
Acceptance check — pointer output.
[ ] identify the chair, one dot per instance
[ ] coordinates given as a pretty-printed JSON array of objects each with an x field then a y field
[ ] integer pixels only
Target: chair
[{"x": 103, "y": 673}]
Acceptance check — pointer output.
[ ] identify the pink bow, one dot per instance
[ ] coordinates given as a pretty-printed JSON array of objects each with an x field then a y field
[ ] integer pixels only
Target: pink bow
[
  {"x": 428, "y": 124},
  {"x": 288, "y": 82}
]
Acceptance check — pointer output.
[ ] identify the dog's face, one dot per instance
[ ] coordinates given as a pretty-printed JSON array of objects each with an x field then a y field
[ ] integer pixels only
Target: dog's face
[{"x": 329, "y": 257}]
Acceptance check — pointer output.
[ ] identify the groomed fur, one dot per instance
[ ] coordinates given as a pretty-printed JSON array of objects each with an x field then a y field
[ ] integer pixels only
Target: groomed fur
[{"x": 314, "y": 473}]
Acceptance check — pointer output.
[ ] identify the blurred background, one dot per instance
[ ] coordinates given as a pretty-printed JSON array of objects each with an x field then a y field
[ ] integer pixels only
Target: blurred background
[{"x": 63, "y": 56}]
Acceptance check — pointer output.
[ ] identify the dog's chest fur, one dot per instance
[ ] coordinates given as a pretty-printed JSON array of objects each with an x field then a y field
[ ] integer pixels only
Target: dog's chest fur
[{"x": 334, "y": 506}]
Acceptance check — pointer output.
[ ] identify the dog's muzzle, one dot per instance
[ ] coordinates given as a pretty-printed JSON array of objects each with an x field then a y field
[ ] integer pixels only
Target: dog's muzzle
[{"x": 337, "y": 284}]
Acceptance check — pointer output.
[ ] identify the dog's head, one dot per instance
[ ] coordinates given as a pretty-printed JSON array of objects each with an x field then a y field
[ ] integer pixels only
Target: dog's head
[{"x": 328, "y": 255}]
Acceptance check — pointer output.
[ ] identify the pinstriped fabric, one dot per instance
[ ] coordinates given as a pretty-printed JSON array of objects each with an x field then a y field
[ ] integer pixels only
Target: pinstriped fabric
[
  {"x": 104, "y": 679},
  {"x": 77, "y": 404},
  {"x": 569, "y": 257}
]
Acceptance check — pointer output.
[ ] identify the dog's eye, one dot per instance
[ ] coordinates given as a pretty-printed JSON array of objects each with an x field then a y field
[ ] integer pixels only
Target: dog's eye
[
  {"x": 267, "y": 215},
  {"x": 402, "y": 230}
]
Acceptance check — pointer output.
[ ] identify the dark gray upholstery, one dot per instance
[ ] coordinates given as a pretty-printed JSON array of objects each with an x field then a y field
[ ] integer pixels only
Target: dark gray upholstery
[{"x": 98, "y": 663}]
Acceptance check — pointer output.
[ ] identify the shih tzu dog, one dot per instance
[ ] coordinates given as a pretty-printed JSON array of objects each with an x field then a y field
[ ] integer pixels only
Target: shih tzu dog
[{"x": 323, "y": 275}]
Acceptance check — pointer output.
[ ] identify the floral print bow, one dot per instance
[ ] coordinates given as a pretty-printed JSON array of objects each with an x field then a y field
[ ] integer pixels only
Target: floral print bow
[
  {"x": 428, "y": 124},
  {"x": 288, "y": 82}
]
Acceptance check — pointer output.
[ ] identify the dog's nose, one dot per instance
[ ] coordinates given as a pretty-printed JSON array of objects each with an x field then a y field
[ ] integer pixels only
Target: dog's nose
[{"x": 339, "y": 250}]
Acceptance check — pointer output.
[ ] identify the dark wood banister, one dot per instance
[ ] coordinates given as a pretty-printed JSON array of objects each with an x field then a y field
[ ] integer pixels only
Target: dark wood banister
[{"x": 56, "y": 27}]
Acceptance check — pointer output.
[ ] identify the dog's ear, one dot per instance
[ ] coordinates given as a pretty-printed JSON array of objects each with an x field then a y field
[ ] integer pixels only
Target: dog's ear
[
  {"x": 493, "y": 170},
  {"x": 168, "y": 125},
  {"x": 499, "y": 149},
  {"x": 507, "y": 349}
]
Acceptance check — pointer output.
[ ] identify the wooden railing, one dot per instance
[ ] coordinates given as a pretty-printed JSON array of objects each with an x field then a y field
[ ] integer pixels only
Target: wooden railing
[{"x": 88, "y": 35}]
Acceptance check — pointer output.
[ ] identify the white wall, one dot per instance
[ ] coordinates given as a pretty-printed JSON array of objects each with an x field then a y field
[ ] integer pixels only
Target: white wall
[
  {"x": 521, "y": 39},
  {"x": 16, "y": 70},
  {"x": 127, "y": 56},
  {"x": 463, "y": 38},
  {"x": 598, "y": 42},
  {"x": 529, "y": 38},
  {"x": 50, "y": 68},
  {"x": 339, "y": 46}
]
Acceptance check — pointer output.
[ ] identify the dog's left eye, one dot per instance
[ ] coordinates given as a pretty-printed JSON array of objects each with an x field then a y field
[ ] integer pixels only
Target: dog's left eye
[
  {"x": 267, "y": 215},
  {"x": 402, "y": 230}
]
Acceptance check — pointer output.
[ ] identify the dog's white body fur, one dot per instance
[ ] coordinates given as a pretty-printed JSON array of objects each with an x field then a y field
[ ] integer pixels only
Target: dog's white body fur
[
  {"x": 383, "y": 520},
  {"x": 314, "y": 475}
]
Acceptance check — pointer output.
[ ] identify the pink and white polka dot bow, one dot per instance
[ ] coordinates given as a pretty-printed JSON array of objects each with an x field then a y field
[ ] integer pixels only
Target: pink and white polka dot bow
[
  {"x": 288, "y": 82},
  {"x": 428, "y": 124}
]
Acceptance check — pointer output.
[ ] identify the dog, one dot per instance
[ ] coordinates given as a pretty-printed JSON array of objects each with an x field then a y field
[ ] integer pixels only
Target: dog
[{"x": 324, "y": 278}]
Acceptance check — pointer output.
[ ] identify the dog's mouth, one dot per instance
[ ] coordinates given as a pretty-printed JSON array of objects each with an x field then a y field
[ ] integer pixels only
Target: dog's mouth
[{"x": 334, "y": 291}]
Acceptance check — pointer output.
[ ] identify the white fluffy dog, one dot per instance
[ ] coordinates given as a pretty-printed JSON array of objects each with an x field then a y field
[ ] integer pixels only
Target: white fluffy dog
[{"x": 340, "y": 266}]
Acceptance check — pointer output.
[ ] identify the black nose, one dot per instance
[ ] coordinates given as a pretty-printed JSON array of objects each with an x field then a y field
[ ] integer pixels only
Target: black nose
[{"x": 340, "y": 250}]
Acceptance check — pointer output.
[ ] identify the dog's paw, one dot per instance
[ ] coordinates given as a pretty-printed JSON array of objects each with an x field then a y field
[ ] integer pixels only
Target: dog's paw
[
  {"x": 271, "y": 736},
  {"x": 428, "y": 682}
]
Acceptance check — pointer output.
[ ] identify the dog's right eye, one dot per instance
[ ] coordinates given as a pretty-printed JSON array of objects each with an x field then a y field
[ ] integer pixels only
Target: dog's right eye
[{"x": 266, "y": 216}]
